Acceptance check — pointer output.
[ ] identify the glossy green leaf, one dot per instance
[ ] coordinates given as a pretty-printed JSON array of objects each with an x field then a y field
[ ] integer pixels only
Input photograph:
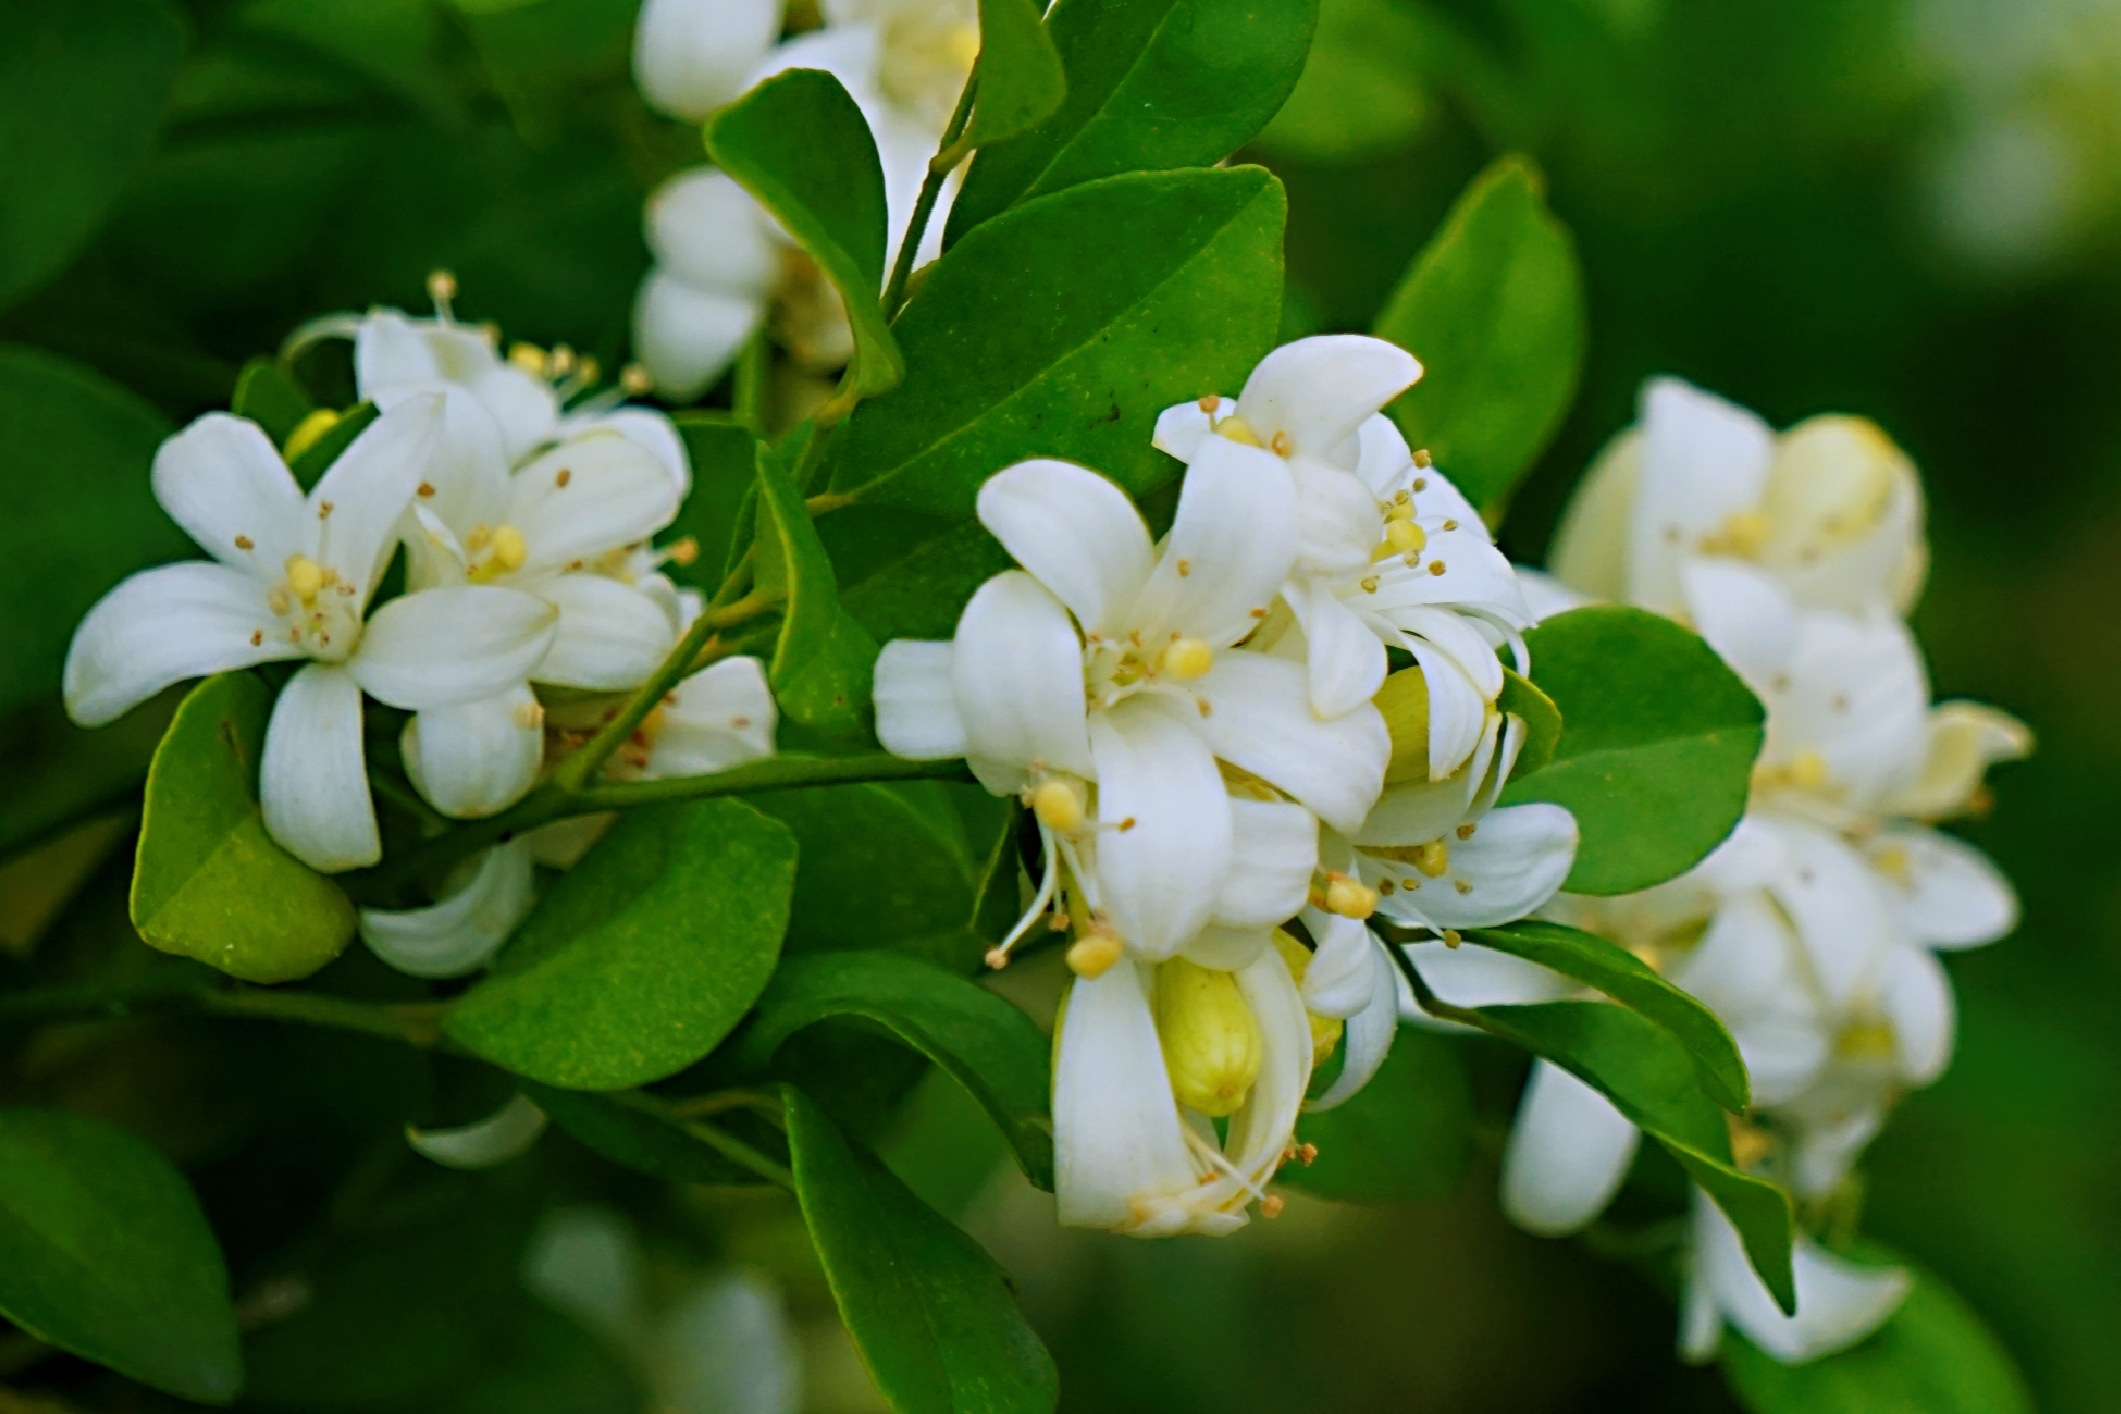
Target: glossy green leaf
[
  {"x": 931, "y": 1313},
  {"x": 1365, "y": 88},
  {"x": 1019, "y": 73},
  {"x": 80, "y": 516},
  {"x": 798, "y": 144},
  {"x": 104, "y": 1253},
  {"x": 314, "y": 460},
  {"x": 210, "y": 883},
  {"x": 270, "y": 397},
  {"x": 644, "y": 956},
  {"x": 1657, "y": 744},
  {"x": 1493, "y": 307},
  {"x": 724, "y": 460},
  {"x": 1404, "y": 1137},
  {"x": 987, "y": 1045},
  {"x": 823, "y": 661},
  {"x": 904, "y": 574},
  {"x": 628, "y": 1128},
  {"x": 1627, "y": 979},
  {"x": 1935, "y": 1356},
  {"x": 1152, "y": 85},
  {"x": 1542, "y": 721},
  {"x": 82, "y": 85},
  {"x": 1092, "y": 311}
]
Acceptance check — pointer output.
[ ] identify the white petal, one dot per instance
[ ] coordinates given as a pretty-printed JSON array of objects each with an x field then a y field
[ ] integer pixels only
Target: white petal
[
  {"x": 1856, "y": 698},
  {"x": 1783, "y": 1053},
  {"x": 1179, "y": 429},
  {"x": 1514, "y": 862},
  {"x": 1368, "y": 1037},
  {"x": 1743, "y": 614},
  {"x": 1227, "y": 949},
  {"x": 1164, "y": 846},
  {"x": 1076, "y": 533},
  {"x": 1844, "y": 507},
  {"x": 1230, "y": 548},
  {"x": 610, "y": 638},
  {"x": 1338, "y": 524},
  {"x": 1964, "y": 739},
  {"x": 460, "y": 932},
  {"x": 686, "y": 336},
  {"x": 1592, "y": 545},
  {"x": 1838, "y": 1302},
  {"x": 1273, "y": 851},
  {"x": 709, "y": 232},
  {"x": 727, "y": 1348},
  {"x": 595, "y": 492},
  {"x": 313, "y": 776},
  {"x": 505, "y": 1134},
  {"x": 1342, "y": 977},
  {"x": 692, "y": 56},
  {"x": 1459, "y": 713},
  {"x": 1117, "y": 1138},
  {"x": 1416, "y": 812},
  {"x": 1471, "y": 975},
  {"x": 223, "y": 481},
  {"x": 1320, "y": 390},
  {"x": 1825, "y": 1150},
  {"x": 1019, "y": 675},
  {"x": 1704, "y": 460},
  {"x": 474, "y": 759},
  {"x": 1346, "y": 659},
  {"x": 363, "y": 495},
  {"x": 1385, "y": 466},
  {"x": 1916, "y": 996},
  {"x": 645, "y": 428},
  {"x": 162, "y": 626},
  {"x": 1258, "y": 715},
  {"x": 468, "y": 469},
  {"x": 1700, "y": 1323},
  {"x": 444, "y": 646},
  {"x": 1950, "y": 895},
  {"x": 721, "y": 717},
  {"x": 1569, "y": 1150},
  {"x": 916, "y": 701},
  {"x": 1840, "y": 908}
]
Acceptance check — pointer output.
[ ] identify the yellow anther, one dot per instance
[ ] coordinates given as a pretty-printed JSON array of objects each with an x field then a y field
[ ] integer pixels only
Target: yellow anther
[
  {"x": 1350, "y": 898},
  {"x": 528, "y": 357},
  {"x": 308, "y": 432},
  {"x": 1092, "y": 955},
  {"x": 1239, "y": 431},
  {"x": 509, "y": 548},
  {"x": 1743, "y": 533},
  {"x": 1865, "y": 1040},
  {"x": 1893, "y": 860},
  {"x": 1058, "y": 805},
  {"x": 1405, "y": 537},
  {"x": 1432, "y": 858},
  {"x": 1210, "y": 403},
  {"x": 635, "y": 380},
  {"x": 1807, "y": 770},
  {"x": 1280, "y": 444},
  {"x": 441, "y": 287},
  {"x": 1271, "y": 1205},
  {"x": 478, "y": 539},
  {"x": 1187, "y": 659},
  {"x": 1210, "y": 1039},
  {"x": 304, "y": 576},
  {"x": 561, "y": 363}
]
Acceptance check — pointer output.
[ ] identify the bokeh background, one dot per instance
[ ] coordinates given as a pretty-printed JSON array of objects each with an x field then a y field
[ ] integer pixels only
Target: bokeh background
[{"x": 1908, "y": 209}]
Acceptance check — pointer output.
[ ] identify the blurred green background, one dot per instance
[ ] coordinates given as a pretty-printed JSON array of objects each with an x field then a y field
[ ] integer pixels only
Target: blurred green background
[{"x": 1900, "y": 208}]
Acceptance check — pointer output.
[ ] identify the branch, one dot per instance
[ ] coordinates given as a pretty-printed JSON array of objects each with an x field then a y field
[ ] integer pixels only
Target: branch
[
  {"x": 947, "y": 156},
  {"x": 1430, "y": 1002}
]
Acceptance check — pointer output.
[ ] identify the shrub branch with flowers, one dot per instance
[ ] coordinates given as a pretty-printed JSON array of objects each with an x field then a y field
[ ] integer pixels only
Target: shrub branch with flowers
[{"x": 689, "y": 770}]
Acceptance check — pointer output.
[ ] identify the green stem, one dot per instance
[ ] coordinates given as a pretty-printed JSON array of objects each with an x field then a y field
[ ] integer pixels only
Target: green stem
[
  {"x": 775, "y": 773},
  {"x": 1430, "y": 1002},
  {"x": 727, "y": 1145},
  {"x": 947, "y": 156},
  {"x": 748, "y": 403}
]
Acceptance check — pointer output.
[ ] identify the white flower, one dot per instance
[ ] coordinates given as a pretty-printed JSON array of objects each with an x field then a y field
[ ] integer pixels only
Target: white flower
[
  {"x": 293, "y": 578},
  {"x": 1838, "y": 1302},
  {"x": 505, "y": 1134},
  {"x": 1389, "y": 552},
  {"x": 1831, "y": 507},
  {"x": 485, "y": 900},
  {"x": 721, "y": 717},
  {"x": 692, "y": 56},
  {"x": 1107, "y": 662}
]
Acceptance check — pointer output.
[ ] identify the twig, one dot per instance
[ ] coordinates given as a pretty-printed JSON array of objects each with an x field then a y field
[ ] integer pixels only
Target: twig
[{"x": 948, "y": 155}]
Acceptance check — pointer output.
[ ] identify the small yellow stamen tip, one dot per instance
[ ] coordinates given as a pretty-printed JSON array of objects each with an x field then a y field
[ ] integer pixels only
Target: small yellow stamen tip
[
  {"x": 1432, "y": 858},
  {"x": 635, "y": 380},
  {"x": 305, "y": 577},
  {"x": 561, "y": 363},
  {"x": 1405, "y": 537},
  {"x": 1808, "y": 770},
  {"x": 1452, "y": 937},
  {"x": 1238, "y": 431},
  {"x": 1280, "y": 444},
  {"x": 308, "y": 432},
  {"x": 1187, "y": 659},
  {"x": 1271, "y": 1205},
  {"x": 441, "y": 287},
  {"x": 1350, "y": 898},
  {"x": 997, "y": 958},
  {"x": 1058, "y": 807},
  {"x": 528, "y": 357},
  {"x": 684, "y": 552},
  {"x": 1092, "y": 956},
  {"x": 509, "y": 548}
]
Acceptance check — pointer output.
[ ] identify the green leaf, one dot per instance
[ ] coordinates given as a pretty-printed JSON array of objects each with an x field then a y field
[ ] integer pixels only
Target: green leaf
[
  {"x": 313, "y": 461},
  {"x": 1652, "y": 1079},
  {"x": 57, "y": 773},
  {"x": 1542, "y": 721},
  {"x": 823, "y": 661},
  {"x": 1657, "y": 744},
  {"x": 932, "y": 1314},
  {"x": 1019, "y": 73},
  {"x": 724, "y": 460},
  {"x": 641, "y": 1135},
  {"x": 1493, "y": 307},
  {"x": 104, "y": 1253},
  {"x": 644, "y": 956},
  {"x": 1365, "y": 89},
  {"x": 1151, "y": 85},
  {"x": 270, "y": 397},
  {"x": 987, "y": 1045},
  {"x": 903, "y": 574},
  {"x": 1935, "y": 1356},
  {"x": 79, "y": 513},
  {"x": 1403, "y": 1138},
  {"x": 798, "y": 143},
  {"x": 82, "y": 85},
  {"x": 210, "y": 883},
  {"x": 1627, "y": 979},
  {"x": 1092, "y": 311}
]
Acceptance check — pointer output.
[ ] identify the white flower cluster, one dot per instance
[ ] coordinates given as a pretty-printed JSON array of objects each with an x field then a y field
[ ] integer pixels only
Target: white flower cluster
[
  {"x": 1192, "y": 724},
  {"x": 722, "y": 263},
  {"x": 1813, "y": 931},
  {"x": 525, "y": 527}
]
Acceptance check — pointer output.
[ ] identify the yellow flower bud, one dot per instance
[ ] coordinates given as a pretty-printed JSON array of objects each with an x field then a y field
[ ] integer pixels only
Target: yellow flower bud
[
  {"x": 1325, "y": 1030},
  {"x": 1058, "y": 805},
  {"x": 1829, "y": 485},
  {"x": 308, "y": 432},
  {"x": 1404, "y": 701},
  {"x": 1211, "y": 1042}
]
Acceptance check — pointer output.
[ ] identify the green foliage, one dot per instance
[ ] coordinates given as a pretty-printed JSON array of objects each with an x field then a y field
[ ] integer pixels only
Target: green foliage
[
  {"x": 1093, "y": 311},
  {"x": 1019, "y": 73},
  {"x": 57, "y": 773},
  {"x": 1405, "y": 1137},
  {"x": 644, "y": 956},
  {"x": 724, "y": 460},
  {"x": 1934, "y": 1356},
  {"x": 269, "y": 396},
  {"x": 799, "y": 145},
  {"x": 1152, "y": 84},
  {"x": 904, "y": 574},
  {"x": 1657, "y": 744},
  {"x": 931, "y": 1313},
  {"x": 1542, "y": 722},
  {"x": 629, "y": 1128},
  {"x": 104, "y": 1252},
  {"x": 210, "y": 883},
  {"x": 983, "y": 1042},
  {"x": 1364, "y": 90},
  {"x": 823, "y": 660},
  {"x": 1493, "y": 307}
]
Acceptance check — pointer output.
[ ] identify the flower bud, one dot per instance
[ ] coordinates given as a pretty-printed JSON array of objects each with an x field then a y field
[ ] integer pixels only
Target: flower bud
[
  {"x": 1404, "y": 701},
  {"x": 1211, "y": 1042},
  {"x": 1325, "y": 1030}
]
